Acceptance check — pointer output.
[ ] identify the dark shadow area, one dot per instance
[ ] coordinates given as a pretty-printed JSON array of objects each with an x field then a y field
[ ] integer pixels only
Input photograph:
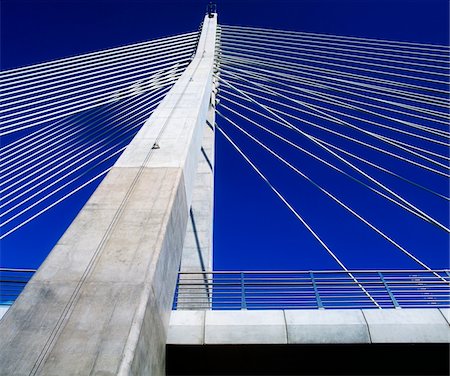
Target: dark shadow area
[{"x": 356, "y": 359}]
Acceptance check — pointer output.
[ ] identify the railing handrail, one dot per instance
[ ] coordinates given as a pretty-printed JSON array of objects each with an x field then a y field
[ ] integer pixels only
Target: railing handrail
[
  {"x": 19, "y": 270},
  {"x": 268, "y": 289},
  {"x": 12, "y": 282}
]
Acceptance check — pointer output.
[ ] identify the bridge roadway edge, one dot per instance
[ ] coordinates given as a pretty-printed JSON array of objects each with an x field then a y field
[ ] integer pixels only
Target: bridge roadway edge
[
  {"x": 333, "y": 326},
  {"x": 101, "y": 301}
]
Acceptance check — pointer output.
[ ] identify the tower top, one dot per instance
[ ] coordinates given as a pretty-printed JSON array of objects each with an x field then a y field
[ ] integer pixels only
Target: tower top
[{"x": 211, "y": 9}]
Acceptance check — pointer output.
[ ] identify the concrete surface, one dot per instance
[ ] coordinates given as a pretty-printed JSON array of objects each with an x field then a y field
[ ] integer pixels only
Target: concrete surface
[
  {"x": 244, "y": 327},
  {"x": 321, "y": 326},
  {"x": 187, "y": 328},
  {"x": 100, "y": 303},
  {"x": 197, "y": 248},
  {"x": 310, "y": 327},
  {"x": 407, "y": 325}
]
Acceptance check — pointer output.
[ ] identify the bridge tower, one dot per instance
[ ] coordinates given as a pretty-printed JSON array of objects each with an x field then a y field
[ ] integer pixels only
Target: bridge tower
[{"x": 101, "y": 301}]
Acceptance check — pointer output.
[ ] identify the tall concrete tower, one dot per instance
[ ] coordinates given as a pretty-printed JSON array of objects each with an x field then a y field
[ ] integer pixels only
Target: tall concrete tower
[{"x": 101, "y": 301}]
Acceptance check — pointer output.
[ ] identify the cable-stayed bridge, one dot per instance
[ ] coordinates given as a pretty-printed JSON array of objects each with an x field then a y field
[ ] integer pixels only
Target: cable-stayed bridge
[{"x": 362, "y": 123}]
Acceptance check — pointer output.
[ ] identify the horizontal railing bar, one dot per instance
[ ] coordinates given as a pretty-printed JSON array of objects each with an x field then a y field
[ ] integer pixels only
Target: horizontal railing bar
[
  {"x": 17, "y": 270},
  {"x": 330, "y": 284},
  {"x": 318, "y": 271},
  {"x": 329, "y": 289}
]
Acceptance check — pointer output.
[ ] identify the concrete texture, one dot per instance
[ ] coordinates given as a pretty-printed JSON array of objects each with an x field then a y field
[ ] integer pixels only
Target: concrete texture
[
  {"x": 310, "y": 327},
  {"x": 407, "y": 326},
  {"x": 333, "y": 326},
  {"x": 197, "y": 248},
  {"x": 101, "y": 301},
  {"x": 244, "y": 327},
  {"x": 186, "y": 328}
]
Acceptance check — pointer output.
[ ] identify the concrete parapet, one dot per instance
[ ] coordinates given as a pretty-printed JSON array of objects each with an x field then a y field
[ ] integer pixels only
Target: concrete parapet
[
  {"x": 244, "y": 327},
  {"x": 310, "y": 327},
  {"x": 187, "y": 328},
  {"x": 332, "y": 326},
  {"x": 407, "y": 326}
]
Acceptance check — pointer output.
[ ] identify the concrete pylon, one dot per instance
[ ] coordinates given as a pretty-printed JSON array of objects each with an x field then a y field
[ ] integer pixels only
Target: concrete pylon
[
  {"x": 101, "y": 301},
  {"x": 197, "y": 256}
]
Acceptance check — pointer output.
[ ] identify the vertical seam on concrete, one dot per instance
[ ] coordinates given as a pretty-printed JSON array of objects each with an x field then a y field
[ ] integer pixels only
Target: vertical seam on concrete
[
  {"x": 286, "y": 326},
  {"x": 367, "y": 325}
]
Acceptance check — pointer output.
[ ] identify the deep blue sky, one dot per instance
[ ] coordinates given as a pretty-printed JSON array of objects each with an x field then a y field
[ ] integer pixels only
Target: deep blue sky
[{"x": 252, "y": 229}]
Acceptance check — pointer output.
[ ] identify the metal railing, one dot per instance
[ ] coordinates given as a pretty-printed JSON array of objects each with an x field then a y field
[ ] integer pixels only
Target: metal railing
[
  {"x": 234, "y": 290},
  {"x": 231, "y": 290},
  {"x": 12, "y": 282}
]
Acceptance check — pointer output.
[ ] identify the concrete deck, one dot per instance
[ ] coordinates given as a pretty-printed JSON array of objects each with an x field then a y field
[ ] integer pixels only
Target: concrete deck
[{"x": 309, "y": 327}]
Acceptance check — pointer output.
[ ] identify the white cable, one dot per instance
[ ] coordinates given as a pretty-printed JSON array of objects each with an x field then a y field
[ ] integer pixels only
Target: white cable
[
  {"x": 252, "y": 51},
  {"x": 43, "y": 138},
  {"x": 358, "y": 141},
  {"x": 87, "y": 70},
  {"x": 269, "y": 78},
  {"x": 349, "y": 106},
  {"x": 330, "y": 164},
  {"x": 61, "y": 113},
  {"x": 54, "y": 144},
  {"x": 64, "y": 176},
  {"x": 323, "y": 161},
  {"x": 396, "y": 49},
  {"x": 290, "y": 67},
  {"x": 301, "y": 46},
  {"x": 241, "y": 41},
  {"x": 297, "y": 215},
  {"x": 12, "y": 146},
  {"x": 66, "y": 80},
  {"x": 388, "y": 140},
  {"x": 308, "y": 136},
  {"x": 330, "y": 195},
  {"x": 80, "y": 152},
  {"x": 4, "y": 235},
  {"x": 89, "y": 91},
  {"x": 382, "y": 42},
  {"x": 61, "y": 62},
  {"x": 364, "y": 88}
]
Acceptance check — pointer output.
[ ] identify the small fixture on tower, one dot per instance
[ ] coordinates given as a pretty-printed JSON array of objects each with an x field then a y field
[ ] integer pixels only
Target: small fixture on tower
[{"x": 211, "y": 9}]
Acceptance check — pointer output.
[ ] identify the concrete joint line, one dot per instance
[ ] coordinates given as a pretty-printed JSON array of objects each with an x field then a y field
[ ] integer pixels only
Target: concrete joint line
[
  {"x": 75, "y": 295},
  {"x": 286, "y": 326},
  {"x": 367, "y": 325}
]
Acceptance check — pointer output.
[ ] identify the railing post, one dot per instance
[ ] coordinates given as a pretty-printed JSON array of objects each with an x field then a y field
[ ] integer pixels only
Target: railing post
[
  {"x": 391, "y": 295},
  {"x": 316, "y": 291},
  {"x": 243, "y": 301}
]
